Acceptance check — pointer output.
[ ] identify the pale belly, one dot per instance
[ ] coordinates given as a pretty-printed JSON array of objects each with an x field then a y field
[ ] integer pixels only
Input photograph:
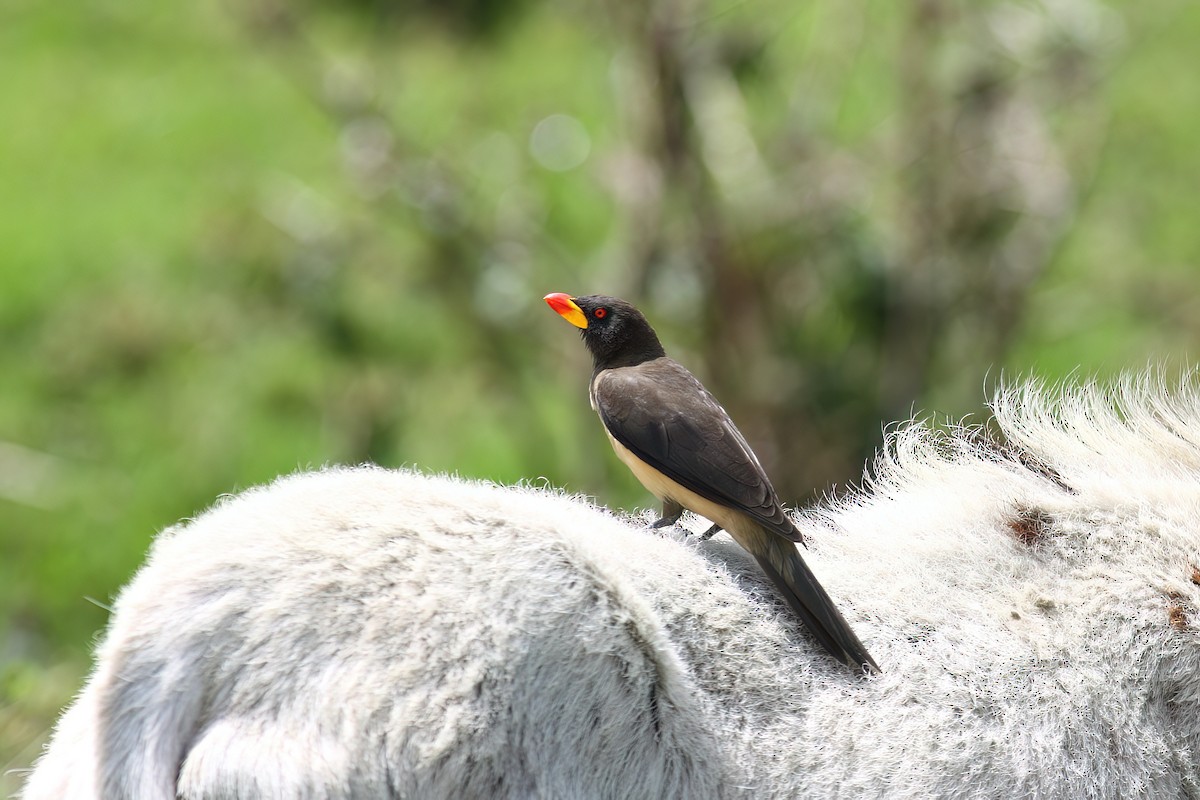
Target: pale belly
[{"x": 664, "y": 488}]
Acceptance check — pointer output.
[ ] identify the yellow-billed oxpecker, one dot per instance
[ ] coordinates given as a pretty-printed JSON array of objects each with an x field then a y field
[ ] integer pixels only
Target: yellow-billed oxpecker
[{"x": 684, "y": 448}]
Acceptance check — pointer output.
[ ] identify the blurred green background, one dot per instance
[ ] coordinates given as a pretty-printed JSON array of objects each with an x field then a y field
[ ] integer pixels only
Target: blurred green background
[{"x": 241, "y": 239}]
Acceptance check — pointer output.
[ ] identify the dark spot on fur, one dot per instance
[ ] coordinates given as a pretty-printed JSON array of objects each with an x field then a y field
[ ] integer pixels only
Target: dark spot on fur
[
  {"x": 1030, "y": 525},
  {"x": 596, "y": 716},
  {"x": 918, "y": 632},
  {"x": 1195, "y": 574},
  {"x": 991, "y": 439},
  {"x": 1041, "y": 468},
  {"x": 1177, "y": 614},
  {"x": 655, "y": 714}
]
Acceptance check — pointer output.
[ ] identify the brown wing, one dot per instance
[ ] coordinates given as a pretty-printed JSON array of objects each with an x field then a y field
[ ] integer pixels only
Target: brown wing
[{"x": 669, "y": 420}]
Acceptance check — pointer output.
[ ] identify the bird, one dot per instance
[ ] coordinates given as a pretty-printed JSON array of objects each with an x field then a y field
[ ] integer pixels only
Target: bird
[{"x": 682, "y": 446}]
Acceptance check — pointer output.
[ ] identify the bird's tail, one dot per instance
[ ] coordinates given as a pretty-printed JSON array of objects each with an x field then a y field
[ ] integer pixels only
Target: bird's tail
[{"x": 783, "y": 565}]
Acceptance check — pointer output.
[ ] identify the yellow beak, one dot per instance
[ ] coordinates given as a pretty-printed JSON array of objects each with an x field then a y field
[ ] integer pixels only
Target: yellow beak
[{"x": 567, "y": 309}]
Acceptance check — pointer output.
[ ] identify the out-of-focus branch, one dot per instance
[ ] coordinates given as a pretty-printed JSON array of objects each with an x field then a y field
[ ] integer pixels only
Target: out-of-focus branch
[{"x": 985, "y": 198}]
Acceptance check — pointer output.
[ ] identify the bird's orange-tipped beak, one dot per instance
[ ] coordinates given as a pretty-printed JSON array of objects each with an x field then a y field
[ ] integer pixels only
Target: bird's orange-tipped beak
[{"x": 567, "y": 309}]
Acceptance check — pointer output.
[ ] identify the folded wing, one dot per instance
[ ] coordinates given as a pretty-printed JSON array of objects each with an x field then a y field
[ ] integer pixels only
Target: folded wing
[{"x": 666, "y": 417}]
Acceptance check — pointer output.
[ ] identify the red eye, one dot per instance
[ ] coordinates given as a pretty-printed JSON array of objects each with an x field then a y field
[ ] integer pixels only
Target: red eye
[{"x": 600, "y": 313}]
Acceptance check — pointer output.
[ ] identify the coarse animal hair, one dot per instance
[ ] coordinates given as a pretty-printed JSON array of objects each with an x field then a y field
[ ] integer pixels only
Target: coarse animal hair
[{"x": 1033, "y": 600}]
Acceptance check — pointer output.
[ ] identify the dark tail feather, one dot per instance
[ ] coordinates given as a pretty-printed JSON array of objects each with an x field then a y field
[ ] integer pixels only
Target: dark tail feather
[{"x": 809, "y": 600}]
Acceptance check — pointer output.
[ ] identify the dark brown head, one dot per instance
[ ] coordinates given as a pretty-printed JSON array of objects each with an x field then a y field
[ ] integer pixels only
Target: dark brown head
[{"x": 616, "y": 333}]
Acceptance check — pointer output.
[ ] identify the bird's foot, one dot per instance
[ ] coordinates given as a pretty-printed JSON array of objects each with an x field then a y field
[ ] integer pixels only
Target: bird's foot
[
  {"x": 711, "y": 532},
  {"x": 665, "y": 521}
]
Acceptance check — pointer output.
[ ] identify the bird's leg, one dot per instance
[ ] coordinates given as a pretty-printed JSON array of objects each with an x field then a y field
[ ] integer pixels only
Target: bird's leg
[
  {"x": 711, "y": 532},
  {"x": 671, "y": 513}
]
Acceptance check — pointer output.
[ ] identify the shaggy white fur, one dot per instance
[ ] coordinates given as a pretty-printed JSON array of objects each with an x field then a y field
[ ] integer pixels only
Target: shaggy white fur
[{"x": 371, "y": 633}]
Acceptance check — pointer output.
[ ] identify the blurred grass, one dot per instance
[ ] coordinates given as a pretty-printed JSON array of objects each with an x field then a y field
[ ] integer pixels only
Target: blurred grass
[{"x": 191, "y": 303}]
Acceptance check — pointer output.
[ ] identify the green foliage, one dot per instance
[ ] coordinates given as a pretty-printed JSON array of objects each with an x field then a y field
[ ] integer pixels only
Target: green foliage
[{"x": 240, "y": 240}]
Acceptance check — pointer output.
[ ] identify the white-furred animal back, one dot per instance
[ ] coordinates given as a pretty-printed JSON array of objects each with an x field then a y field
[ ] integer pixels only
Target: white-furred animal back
[{"x": 1034, "y": 604}]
